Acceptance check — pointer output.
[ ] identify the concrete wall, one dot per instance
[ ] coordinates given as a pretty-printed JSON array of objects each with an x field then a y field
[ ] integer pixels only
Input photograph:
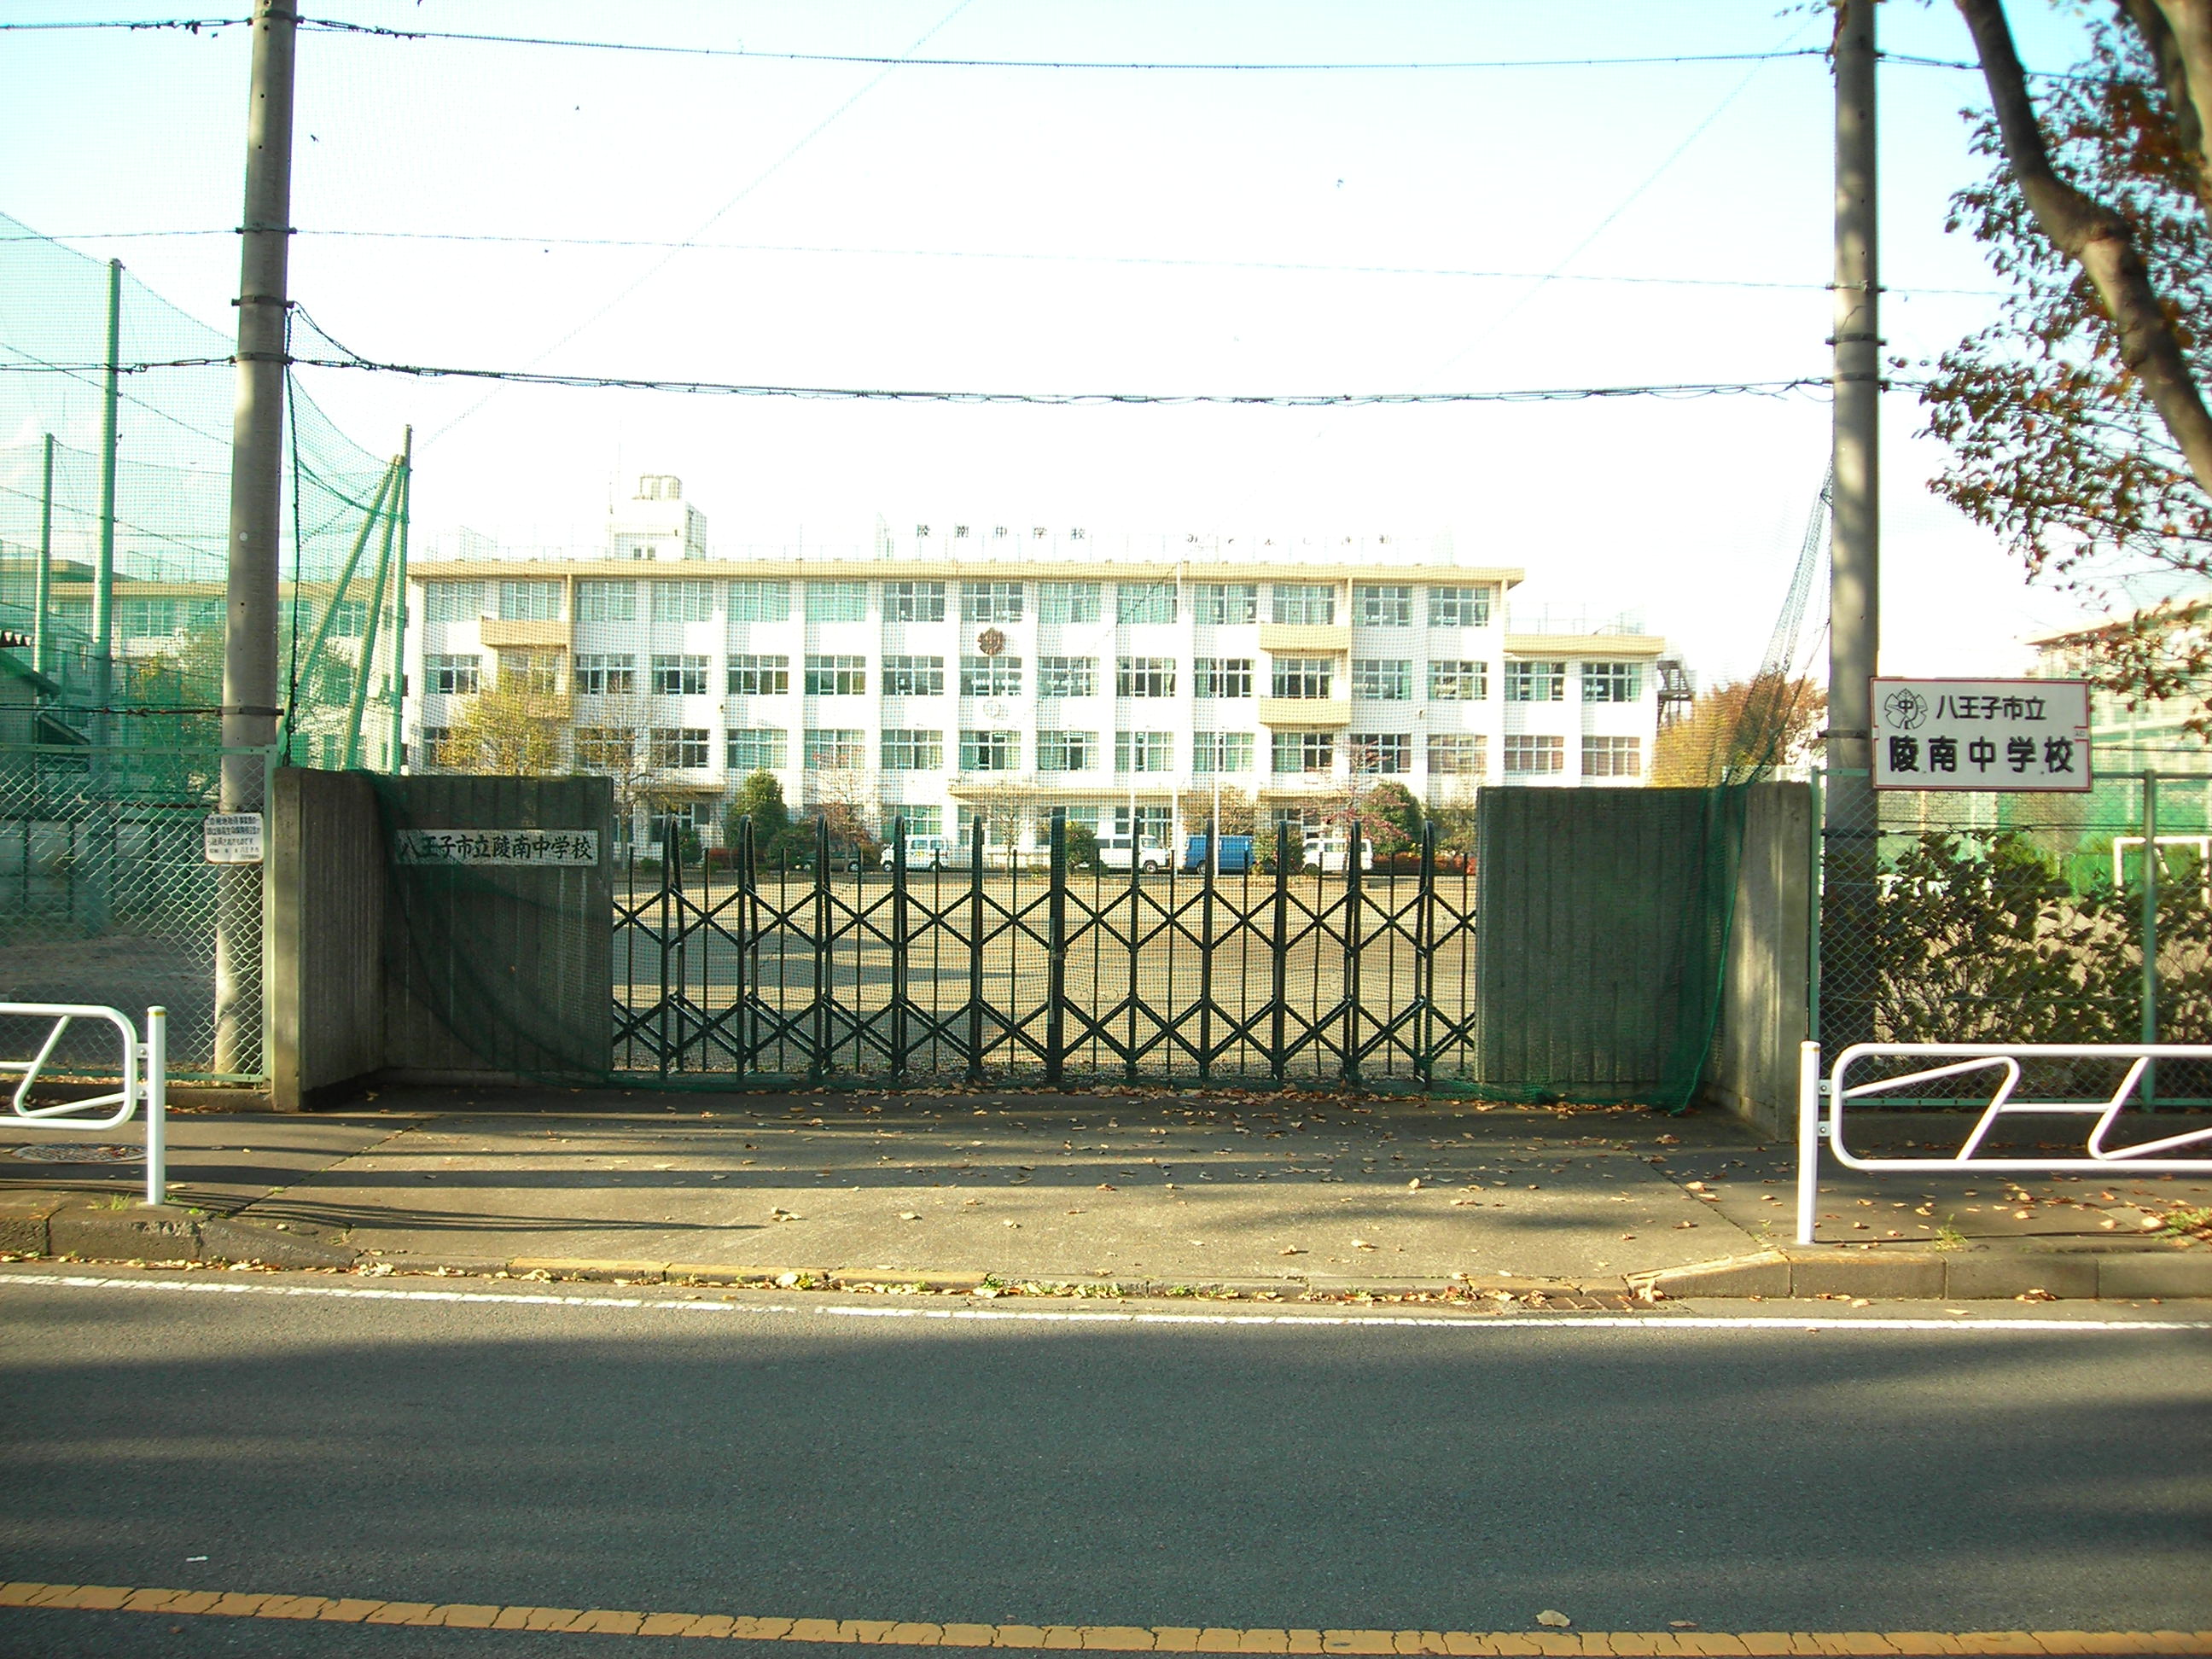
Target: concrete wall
[
  {"x": 1753, "y": 1069},
  {"x": 323, "y": 968},
  {"x": 474, "y": 972}
]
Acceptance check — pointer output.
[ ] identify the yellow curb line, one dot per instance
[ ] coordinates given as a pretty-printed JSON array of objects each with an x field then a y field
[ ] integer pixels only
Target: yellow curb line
[{"x": 1114, "y": 1638}]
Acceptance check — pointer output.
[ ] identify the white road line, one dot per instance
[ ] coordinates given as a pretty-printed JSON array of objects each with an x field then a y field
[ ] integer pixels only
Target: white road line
[{"x": 1649, "y": 1323}]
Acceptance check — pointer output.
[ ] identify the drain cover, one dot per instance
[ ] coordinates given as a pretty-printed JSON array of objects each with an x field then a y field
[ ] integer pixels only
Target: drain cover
[{"x": 81, "y": 1151}]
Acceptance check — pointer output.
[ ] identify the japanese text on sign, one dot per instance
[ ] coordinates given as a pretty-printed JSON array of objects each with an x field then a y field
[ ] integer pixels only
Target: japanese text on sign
[
  {"x": 2003, "y": 735},
  {"x": 562, "y": 848},
  {"x": 231, "y": 838}
]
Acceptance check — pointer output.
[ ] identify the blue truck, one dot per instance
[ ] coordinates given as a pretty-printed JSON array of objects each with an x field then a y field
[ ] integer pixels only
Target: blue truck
[{"x": 1236, "y": 855}]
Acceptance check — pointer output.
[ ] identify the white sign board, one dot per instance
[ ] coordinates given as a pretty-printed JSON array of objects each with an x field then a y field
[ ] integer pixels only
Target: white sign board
[
  {"x": 558, "y": 848},
  {"x": 231, "y": 838},
  {"x": 1981, "y": 734}
]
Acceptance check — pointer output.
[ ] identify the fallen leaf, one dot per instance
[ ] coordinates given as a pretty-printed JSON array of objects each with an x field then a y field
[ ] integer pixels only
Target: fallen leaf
[
  {"x": 1555, "y": 1618},
  {"x": 1361, "y": 1244},
  {"x": 1290, "y": 1249},
  {"x": 908, "y": 1215},
  {"x": 1414, "y": 1185},
  {"x": 2035, "y": 1293}
]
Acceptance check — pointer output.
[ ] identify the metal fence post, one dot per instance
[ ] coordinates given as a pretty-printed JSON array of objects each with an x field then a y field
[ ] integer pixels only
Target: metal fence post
[
  {"x": 899, "y": 938},
  {"x": 1280, "y": 950},
  {"x": 1424, "y": 966},
  {"x": 1055, "y": 967},
  {"x": 1814, "y": 776},
  {"x": 976, "y": 950},
  {"x": 2150, "y": 930},
  {"x": 749, "y": 944},
  {"x": 818, "y": 1061},
  {"x": 670, "y": 872},
  {"x": 1206, "y": 953},
  {"x": 1136, "y": 865},
  {"x": 1353, "y": 901}
]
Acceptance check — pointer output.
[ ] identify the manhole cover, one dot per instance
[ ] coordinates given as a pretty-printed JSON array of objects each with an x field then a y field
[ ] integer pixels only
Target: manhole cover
[{"x": 81, "y": 1151}]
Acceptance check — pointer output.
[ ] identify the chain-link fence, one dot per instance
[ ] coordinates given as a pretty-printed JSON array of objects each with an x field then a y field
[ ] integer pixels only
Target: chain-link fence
[
  {"x": 115, "y": 408},
  {"x": 2070, "y": 918}
]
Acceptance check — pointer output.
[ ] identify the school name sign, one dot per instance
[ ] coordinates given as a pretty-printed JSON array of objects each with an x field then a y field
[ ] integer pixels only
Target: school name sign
[
  {"x": 1981, "y": 735},
  {"x": 563, "y": 849}
]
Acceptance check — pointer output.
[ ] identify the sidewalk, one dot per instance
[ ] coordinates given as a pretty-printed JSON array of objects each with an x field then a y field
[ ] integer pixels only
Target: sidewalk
[{"x": 1151, "y": 1192}]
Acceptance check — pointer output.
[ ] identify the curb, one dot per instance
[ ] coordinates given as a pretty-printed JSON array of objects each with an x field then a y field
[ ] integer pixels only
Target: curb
[
  {"x": 109, "y": 1229},
  {"x": 1939, "y": 1275}
]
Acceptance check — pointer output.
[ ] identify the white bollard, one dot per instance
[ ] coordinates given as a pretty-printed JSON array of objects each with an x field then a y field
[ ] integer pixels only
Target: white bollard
[
  {"x": 1808, "y": 1138},
  {"x": 157, "y": 1105}
]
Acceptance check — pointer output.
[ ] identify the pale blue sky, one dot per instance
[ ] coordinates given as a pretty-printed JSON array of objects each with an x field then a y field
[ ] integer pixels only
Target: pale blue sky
[{"x": 1092, "y": 230}]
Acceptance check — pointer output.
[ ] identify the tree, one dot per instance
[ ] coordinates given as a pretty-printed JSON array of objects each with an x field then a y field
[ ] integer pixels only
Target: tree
[
  {"x": 503, "y": 733},
  {"x": 2076, "y": 422},
  {"x": 759, "y": 798},
  {"x": 1390, "y": 818},
  {"x": 1082, "y": 846},
  {"x": 1233, "y": 812},
  {"x": 620, "y": 748},
  {"x": 1735, "y": 732}
]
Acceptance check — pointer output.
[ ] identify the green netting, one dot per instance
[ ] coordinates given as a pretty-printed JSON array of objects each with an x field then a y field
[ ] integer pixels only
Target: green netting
[{"x": 109, "y": 731}]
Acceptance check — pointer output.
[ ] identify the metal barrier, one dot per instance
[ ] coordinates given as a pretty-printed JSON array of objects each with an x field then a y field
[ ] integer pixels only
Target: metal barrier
[
  {"x": 2003, "y": 1061},
  {"x": 144, "y": 1069}
]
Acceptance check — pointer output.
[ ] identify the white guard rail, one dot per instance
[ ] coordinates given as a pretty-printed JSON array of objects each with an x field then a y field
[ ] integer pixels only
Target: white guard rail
[
  {"x": 143, "y": 1068},
  {"x": 2001, "y": 1062}
]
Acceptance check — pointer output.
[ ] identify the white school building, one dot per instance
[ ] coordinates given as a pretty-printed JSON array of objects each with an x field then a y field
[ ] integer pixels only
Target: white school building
[{"x": 999, "y": 671}]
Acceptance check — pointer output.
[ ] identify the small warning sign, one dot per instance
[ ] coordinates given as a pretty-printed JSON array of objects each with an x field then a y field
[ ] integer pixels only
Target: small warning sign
[{"x": 231, "y": 838}]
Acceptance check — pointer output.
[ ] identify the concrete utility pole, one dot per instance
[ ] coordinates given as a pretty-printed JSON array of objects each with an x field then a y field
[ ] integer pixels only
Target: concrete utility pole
[
  {"x": 256, "y": 475},
  {"x": 1849, "y": 827}
]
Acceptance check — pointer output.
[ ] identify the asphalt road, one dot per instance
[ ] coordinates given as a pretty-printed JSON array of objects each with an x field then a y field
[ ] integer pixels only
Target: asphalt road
[{"x": 936, "y": 1459}]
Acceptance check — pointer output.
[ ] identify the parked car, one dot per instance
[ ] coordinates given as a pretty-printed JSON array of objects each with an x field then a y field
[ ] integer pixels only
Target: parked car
[
  {"x": 1327, "y": 854},
  {"x": 1236, "y": 855},
  {"x": 1117, "y": 853},
  {"x": 923, "y": 853}
]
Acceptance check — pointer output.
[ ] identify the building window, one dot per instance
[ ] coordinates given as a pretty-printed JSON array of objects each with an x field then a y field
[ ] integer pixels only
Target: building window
[
  {"x": 1144, "y": 602},
  {"x": 1381, "y": 606},
  {"x": 1613, "y": 758},
  {"x": 1612, "y": 682},
  {"x": 1069, "y": 602},
  {"x": 436, "y": 744},
  {"x": 913, "y": 677},
  {"x": 991, "y": 602},
  {"x": 1067, "y": 751},
  {"x": 990, "y": 751},
  {"x": 682, "y": 602},
  {"x": 759, "y": 602},
  {"x": 679, "y": 748},
  {"x": 918, "y": 820},
  {"x": 1455, "y": 754},
  {"x": 1306, "y": 604},
  {"x": 606, "y": 601},
  {"x": 1221, "y": 752},
  {"x": 1305, "y": 751},
  {"x": 528, "y": 601},
  {"x": 760, "y": 677},
  {"x": 1459, "y": 607},
  {"x": 913, "y": 751},
  {"x": 453, "y": 601},
  {"x": 348, "y": 618},
  {"x": 836, "y": 601},
  {"x": 757, "y": 748},
  {"x": 606, "y": 676},
  {"x": 1144, "y": 751},
  {"x": 680, "y": 677},
  {"x": 1145, "y": 676},
  {"x": 916, "y": 602},
  {"x": 836, "y": 677},
  {"x": 454, "y": 676},
  {"x": 1459, "y": 679},
  {"x": 1384, "y": 679},
  {"x": 1220, "y": 678},
  {"x": 606, "y": 747},
  {"x": 1068, "y": 676},
  {"x": 1385, "y": 752},
  {"x": 1153, "y": 824},
  {"x": 1533, "y": 756},
  {"x": 1304, "y": 676},
  {"x": 1226, "y": 604},
  {"x": 833, "y": 750},
  {"x": 990, "y": 677},
  {"x": 535, "y": 673},
  {"x": 1535, "y": 682}
]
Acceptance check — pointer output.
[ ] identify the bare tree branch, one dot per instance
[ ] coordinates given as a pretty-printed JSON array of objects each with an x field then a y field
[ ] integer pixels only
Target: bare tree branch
[{"x": 2096, "y": 238}]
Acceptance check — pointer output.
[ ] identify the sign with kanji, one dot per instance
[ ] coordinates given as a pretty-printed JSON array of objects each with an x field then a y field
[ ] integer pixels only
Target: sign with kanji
[
  {"x": 231, "y": 838},
  {"x": 562, "y": 848},
  {"x": 1995, "y": 735}
]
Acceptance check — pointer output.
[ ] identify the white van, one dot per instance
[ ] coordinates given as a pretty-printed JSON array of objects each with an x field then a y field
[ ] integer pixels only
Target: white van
[
  {"x": 1326, "y": 854},
  {"x": 1114, "y": 853},
  {"x": 924, "y": 852}
]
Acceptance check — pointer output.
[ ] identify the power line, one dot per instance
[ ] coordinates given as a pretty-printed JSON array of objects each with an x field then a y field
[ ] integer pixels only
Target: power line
[{"x": 190, "y": 25}]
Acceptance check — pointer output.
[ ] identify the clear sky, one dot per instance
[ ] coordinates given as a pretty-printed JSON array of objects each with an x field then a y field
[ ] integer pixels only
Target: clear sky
[{"x": 1059, "y": 230}]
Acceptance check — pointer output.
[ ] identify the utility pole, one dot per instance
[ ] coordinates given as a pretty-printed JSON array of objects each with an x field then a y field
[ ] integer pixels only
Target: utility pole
[
  {"x": 257, "y": 472},
  {"x": 1850, "y": 829}
]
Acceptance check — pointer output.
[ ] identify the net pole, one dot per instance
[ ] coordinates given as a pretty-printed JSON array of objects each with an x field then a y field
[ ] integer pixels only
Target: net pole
[
  {"x": 42, "y": 595},
  {"x": 2150, "y": 930},
  {"x": 369, "y": 629},
  {"x": 103, "y": 591},
  {"x": 289, "y": 724},
  {"x": 399, "y": 605}
]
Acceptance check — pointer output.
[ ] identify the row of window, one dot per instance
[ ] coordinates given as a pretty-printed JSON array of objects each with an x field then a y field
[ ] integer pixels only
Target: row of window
[
  {"x": 1381, "y": 679},
  {"x": 766, "y": 748},
  {"x": 1374, "y": 604}
]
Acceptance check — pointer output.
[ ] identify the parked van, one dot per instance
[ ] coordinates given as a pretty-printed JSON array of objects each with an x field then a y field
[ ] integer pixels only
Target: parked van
[
  {"x": 923, "y": 853},
  {"x": 1115, "y": 851},
  {"x": 1236, "y": 855},
  {"x": 1326, "y": 854}
]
